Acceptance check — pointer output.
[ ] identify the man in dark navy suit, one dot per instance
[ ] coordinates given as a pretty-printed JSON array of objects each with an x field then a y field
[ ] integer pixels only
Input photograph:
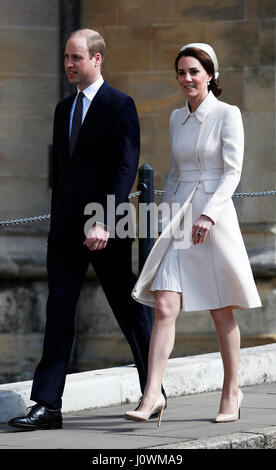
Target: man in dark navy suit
[{"x": 96, "y": 142}]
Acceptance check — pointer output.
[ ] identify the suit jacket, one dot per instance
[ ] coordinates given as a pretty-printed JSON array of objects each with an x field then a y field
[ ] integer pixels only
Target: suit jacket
[
  {"x": 216, "y": 273},
  {"x": 104, "y": 161}
]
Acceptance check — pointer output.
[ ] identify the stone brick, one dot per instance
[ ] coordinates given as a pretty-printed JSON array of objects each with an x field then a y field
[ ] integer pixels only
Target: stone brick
[
  {"x": 101, "y": 12},
  {"x": 25, "y": 153},
  {"x": 260, "y": 9},
  {"x": 27, "y": 94},
  {"x": 269, "y": 434},
  {"x": 177, "y": 11},
  {"x": 261, "y": 321},
  {"x": 246, "y": 441},
  {"x": 129, "y": 48},
  {"x": 209, "y": 10},
  {"x": 26, "y": 244},
  {"x": 147, "y": 139},
  {"x": 259, "y": 90},
  {"x": 161, "y": 157},
  {"x": 260, "y": 242},
  {"x": 154, "y": 92},
  {"x": 232, "y": 83},
  {"x": 29, "y": 50},
  {"x": 94, "y": 313},
  {"x": 120, "y": 81},
  {"x": 19, "y": 355},
  {"x": 16, "y": 310},
  {"x": 23, "y": 197},
  {"x": 29, "y": 13},
  {"x": 267, "y": 43},
  {"x": 143, "y": 12},
  {"x": 155, "y": 146},
  {"x": 167, "y": 41},
  {"x": 96, "y": 351},
  {"x": 234, "y": 42},
  {"x": 258, "y": 168},
  {"x": 40, "y": 292}
]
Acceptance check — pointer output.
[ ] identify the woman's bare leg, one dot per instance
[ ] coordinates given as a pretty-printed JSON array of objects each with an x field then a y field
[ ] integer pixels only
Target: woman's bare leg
[
  {"x": 229, "y": 341},
  {"x": 161, "y": 344}
]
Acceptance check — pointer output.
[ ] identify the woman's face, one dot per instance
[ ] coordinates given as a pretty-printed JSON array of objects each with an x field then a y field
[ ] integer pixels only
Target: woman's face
[{"x": 193, "y": 78}]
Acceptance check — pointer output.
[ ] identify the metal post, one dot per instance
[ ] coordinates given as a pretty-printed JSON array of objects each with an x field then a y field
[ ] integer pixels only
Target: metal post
[{"x": 146, "y": 186}]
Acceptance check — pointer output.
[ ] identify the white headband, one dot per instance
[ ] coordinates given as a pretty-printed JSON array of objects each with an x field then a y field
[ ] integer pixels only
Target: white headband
[{"x": 209, "y": 50}]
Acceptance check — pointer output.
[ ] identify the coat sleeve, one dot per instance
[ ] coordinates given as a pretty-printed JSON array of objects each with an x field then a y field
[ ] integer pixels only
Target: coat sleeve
[
  {"x": 173, "y": 174},
  {"x": 171, "y": 182},
  {"x": 232, "y": 155},
  {"x": 125, "y": 145}
]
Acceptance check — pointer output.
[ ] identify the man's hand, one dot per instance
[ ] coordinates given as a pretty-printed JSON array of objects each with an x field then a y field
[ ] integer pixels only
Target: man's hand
[{"x": 97, "y": 237}]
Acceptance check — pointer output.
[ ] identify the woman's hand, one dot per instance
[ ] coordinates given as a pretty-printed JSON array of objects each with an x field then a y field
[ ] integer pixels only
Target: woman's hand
[{"x": 201, "y": 229}]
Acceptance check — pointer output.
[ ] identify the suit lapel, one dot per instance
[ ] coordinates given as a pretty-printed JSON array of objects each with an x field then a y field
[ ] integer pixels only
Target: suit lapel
[{"x": 94, "y": 110}]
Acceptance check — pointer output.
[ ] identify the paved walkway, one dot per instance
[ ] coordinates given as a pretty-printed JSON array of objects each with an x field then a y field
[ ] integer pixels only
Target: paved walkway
[{"x": 187, "y": 423}]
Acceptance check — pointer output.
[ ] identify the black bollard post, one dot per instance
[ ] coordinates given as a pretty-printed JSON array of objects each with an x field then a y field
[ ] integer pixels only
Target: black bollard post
[{"x": 146, "y": 186}]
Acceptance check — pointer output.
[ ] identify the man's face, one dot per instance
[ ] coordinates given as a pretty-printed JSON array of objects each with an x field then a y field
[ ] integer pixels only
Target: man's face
[{"x": 80, "y": 69}]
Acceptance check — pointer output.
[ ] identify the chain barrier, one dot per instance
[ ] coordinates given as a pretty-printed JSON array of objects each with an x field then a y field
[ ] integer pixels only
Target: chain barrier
[
  {"x": 5, "y": 223},
  {"x": 137, "y": 193},
  {"x": 262, "y": 193},
  {"x": 40, "y": 218}
]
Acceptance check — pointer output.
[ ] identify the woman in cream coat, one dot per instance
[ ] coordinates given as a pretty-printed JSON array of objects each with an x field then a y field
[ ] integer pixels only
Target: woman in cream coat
[{"x": 211, "y": 270}]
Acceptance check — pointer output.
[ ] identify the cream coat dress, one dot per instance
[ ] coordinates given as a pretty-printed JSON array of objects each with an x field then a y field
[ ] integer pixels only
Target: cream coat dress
[{"x": 206, "y": 162}]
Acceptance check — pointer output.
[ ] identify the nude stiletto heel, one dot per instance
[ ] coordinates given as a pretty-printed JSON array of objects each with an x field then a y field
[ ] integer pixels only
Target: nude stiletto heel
[
  {"x": 225, "y": 418},
  {"x": 160, "y": 413},
  {"x": 159, "y": 405}
]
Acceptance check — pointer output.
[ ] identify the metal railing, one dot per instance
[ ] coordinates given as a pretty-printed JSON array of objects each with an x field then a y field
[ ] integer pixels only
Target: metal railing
[{"x": 145, "y": 192}]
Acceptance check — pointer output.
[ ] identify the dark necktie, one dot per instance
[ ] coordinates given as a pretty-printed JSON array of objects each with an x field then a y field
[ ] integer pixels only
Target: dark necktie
[{"x": 76, "y": 122}]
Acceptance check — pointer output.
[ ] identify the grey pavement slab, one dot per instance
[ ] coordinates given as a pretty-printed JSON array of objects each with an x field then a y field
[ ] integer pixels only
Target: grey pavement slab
[{"x": 187, "y": 419}]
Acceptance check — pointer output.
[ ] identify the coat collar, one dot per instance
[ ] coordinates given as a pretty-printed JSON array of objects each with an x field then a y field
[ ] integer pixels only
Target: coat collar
[{"x": 203, "y": 109}]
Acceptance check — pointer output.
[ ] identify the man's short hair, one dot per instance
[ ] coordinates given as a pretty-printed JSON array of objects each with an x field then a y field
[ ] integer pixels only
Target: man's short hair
[{"x": 95, "y": 42}]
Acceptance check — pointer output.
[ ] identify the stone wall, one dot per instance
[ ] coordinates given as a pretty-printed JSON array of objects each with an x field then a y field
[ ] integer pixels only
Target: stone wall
[
  {"x": 143, "y": 38},
  {"x": 29, "y": 90}
]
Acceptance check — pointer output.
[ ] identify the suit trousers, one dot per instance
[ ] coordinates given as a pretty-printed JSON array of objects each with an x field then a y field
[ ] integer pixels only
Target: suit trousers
[{"x": 67, "y": 264}]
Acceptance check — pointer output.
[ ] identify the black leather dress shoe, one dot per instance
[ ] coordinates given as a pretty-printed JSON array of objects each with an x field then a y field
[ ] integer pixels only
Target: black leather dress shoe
[{"x": 39, "y": 417}]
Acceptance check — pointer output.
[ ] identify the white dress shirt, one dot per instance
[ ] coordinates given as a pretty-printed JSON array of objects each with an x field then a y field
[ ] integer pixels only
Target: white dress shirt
[{"x": 89, "y": 94}]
